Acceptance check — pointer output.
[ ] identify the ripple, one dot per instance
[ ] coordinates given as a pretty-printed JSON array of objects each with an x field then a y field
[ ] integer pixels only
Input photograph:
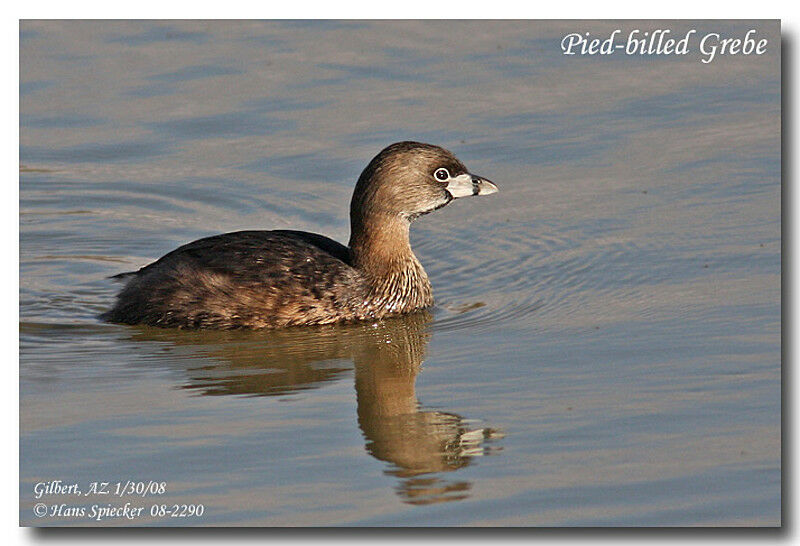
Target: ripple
[{"x": 524, "y": 274}]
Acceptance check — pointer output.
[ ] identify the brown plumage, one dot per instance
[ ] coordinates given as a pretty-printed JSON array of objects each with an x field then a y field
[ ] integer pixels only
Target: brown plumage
[{"x": 273, "y": 279}]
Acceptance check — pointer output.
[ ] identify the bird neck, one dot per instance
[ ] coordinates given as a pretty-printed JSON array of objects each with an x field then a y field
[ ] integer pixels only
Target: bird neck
[{"x": 382, "y": 253}]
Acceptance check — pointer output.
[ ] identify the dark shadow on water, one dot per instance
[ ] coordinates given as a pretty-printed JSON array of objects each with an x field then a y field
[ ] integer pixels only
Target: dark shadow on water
[{"x": 418, "y": 444}]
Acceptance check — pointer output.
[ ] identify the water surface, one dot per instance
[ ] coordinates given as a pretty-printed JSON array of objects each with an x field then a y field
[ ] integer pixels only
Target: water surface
[{"x": 605, "y": 348}]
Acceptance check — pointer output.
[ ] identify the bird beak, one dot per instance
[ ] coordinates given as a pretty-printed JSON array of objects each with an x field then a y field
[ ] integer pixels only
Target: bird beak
[{"x": 467, "y": 184}]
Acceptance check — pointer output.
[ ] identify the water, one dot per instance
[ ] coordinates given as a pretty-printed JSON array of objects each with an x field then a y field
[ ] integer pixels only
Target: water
[{"x": 605, "y": 348}]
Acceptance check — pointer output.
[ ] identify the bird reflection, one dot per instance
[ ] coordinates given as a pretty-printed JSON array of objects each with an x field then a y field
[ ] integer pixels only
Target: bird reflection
[{"x": 417, "y": 443}]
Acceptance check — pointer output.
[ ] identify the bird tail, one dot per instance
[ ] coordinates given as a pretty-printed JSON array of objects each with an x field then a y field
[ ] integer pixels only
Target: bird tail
[{"x": 123, "y": 276}]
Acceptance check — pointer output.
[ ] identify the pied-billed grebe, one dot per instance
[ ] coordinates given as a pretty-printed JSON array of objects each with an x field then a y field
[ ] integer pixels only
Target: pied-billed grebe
[{"x": 273, "y": 279}]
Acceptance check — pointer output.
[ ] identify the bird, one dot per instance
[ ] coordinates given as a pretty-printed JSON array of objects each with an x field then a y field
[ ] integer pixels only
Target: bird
[{"x": 284, "y": 278}]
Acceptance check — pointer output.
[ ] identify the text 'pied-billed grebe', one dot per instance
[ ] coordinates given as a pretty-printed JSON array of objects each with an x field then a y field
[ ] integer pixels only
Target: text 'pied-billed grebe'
[{"x": 273, "y": 279}]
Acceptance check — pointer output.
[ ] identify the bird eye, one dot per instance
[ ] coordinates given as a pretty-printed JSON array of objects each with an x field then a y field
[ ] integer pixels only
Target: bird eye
[{"x": 441, "y": 174}]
